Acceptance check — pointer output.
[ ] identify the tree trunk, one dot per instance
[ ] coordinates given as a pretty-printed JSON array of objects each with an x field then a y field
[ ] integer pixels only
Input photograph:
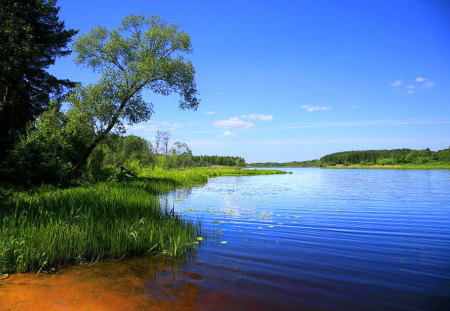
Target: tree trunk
[{"x": 83, "y": 160}]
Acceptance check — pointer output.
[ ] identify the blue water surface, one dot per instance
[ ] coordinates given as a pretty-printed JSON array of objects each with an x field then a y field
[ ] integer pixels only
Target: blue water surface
[{"x": 322, "y": 239}]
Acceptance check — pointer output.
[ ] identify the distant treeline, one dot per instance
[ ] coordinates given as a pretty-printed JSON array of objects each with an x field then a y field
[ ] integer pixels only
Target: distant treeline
[
  {"x": 386, "y": 157},
  {"x": 370, "y": 157},
  {"x": 203, "y": 161},
  {"x": 311, "y": 163},
  {"x": 136, "y": 154}
]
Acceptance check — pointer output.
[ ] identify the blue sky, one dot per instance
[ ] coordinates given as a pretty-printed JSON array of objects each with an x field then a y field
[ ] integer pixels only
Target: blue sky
[{"x": 295, "y": 80}]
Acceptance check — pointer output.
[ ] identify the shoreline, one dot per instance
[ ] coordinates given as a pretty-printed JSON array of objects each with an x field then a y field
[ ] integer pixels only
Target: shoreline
[
  {"x": 374, "y": 167},
  {"x": 102, "y": 221},
  {"x": 392, "y": 167}
]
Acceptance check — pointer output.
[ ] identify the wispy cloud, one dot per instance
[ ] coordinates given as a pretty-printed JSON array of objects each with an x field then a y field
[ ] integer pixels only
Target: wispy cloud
[
  {"x": 330, "y": 125},
  {"x": 154, "y": 126},
  {"x": 170, "y": 126},
  {"x": 396, "y": 83},
  {"x": 420, "y": 79},
  {"x": 146, "y": 128},
  {"x": 310, "y": 108},
  {"x": 428, "y": 84},
  {"x": 354, "y": 124},
  {"x": 256, "y": 116},
  {"x": 354, "y": 107},
  {"x": 228, "y": 134},
  {"x": 314, "y": 141},
  {"x": 420, "y": 83},
  {"x": 210, "y": 113},
  {"x": 234, "y": 122}
]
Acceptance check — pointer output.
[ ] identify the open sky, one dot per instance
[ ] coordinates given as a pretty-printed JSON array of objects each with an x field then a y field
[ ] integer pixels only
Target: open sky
[{"x": 287, "y": 80}]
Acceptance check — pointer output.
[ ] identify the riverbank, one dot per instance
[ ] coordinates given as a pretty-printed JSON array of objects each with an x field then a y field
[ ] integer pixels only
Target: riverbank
[
  {"x": 430, "y": 166},
  {"x": 51, "y": 228}
]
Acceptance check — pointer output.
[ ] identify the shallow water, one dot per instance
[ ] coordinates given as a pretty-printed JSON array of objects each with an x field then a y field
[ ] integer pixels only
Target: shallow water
[{"x": 314, "y": 240}]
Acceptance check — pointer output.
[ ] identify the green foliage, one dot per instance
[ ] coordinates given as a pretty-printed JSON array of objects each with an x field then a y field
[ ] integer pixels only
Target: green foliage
[
  {"x": 51, "y": 145},
  {"x": 32, "y": 37},
  {"x": 386, "y": 157},
  {"x": 144, "y": 53},
  {"x": 310, "y": 163},
  {"x": 206, "y": 161},
  {"x": 386, "y": 161}
]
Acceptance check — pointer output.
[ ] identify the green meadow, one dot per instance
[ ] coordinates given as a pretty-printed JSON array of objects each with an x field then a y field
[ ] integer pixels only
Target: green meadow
[{"x": 110, "y": 220}]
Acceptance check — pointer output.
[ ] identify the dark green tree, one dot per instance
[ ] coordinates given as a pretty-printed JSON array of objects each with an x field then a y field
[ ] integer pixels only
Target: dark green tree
[{"x": 31, "y": 38}]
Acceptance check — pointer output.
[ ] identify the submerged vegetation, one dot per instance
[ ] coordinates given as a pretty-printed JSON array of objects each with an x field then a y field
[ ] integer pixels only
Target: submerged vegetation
[{"x": 102, "y": 221}]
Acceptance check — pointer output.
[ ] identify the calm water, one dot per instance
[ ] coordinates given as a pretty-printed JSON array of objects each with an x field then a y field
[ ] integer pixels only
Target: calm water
[
  {"x": 320, "y": 240},
  {"x": 313, "y": 240}
]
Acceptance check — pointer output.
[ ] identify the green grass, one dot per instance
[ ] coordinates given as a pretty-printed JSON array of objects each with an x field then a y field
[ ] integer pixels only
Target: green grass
[{"x": 53, "y": 228}]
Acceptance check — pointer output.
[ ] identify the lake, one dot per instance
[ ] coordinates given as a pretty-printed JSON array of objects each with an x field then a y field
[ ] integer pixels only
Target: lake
[
  {"x": 321, "y": 239},
  {"x": 317, "y": 239}
]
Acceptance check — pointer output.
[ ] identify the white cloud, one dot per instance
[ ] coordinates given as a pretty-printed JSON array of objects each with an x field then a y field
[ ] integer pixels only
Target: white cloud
[
  {"x": 396, "y": 83},
  {"x": 146, "y": 128},
  {"x": 420, "y": 79},
  {"x": 261, "y": 117},
  {"x": 428, "y": 84},
  {"x": 411, "y": 86},
  {"x": 410, "y": 91},
  {"x": 174, "y": 127},
  {"x": 228, "y": 134},
  {"x": 234, "y": 122},
  {"x": 154, "y": 126},
  {"x": 351, "y": 124},
  {"x": 333, "y": 124},
  {"x": 210, "y": 113},
  {"x": 310, "y": 108},
  {"x": 353, "y": 107}
]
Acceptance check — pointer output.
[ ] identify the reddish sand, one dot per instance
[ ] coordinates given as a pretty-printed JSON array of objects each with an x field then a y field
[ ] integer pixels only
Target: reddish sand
[{"x": 105, "y": 286}]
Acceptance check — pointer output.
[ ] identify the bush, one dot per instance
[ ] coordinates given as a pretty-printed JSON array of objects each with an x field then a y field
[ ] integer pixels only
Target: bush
[{"x": 386, "y": 161}]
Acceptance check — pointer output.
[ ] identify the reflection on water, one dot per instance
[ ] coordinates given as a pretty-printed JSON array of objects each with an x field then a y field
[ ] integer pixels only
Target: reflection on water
[
  {"x": 324, "y": 240},
  {"x": 313, "y": 240}
]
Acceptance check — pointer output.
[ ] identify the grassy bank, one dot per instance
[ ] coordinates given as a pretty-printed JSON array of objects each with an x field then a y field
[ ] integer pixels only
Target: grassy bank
[
  {"x": 431, "y": 166},
  {"x": 52, "y": 228}
]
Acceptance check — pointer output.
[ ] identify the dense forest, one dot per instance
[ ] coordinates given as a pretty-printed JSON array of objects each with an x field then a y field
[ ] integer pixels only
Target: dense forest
[
  {"x": 370, "y": 157},
  {"x": 386, "y": 157}
]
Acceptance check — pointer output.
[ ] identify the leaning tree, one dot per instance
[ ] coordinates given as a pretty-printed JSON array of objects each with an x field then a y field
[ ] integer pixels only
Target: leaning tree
[{"x": 144, "y": 53}]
